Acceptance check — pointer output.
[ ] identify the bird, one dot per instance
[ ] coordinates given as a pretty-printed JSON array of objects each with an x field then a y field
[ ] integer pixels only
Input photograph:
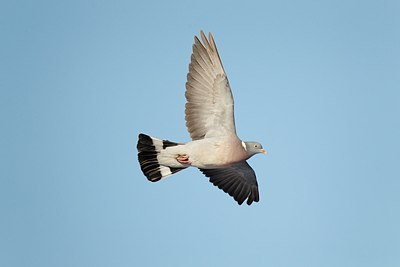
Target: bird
[{"x": 215, "y": 148}]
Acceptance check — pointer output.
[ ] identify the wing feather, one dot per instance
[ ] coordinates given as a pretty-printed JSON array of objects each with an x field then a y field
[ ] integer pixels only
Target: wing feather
[
  {"x": 209, "y": 108},
  {"x": 238, "y": 180}
]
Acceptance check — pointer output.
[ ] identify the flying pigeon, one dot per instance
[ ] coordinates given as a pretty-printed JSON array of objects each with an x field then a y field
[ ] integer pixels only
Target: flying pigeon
[{"x": 215, "y": 148}]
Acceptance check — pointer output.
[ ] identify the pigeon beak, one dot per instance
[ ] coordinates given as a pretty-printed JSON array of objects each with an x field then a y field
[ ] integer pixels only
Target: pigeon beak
[{"x": 264, "y": 151}]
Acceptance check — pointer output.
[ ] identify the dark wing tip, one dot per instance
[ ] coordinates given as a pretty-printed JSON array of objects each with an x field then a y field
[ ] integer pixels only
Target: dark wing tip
[{"x": 254, "y": 195}]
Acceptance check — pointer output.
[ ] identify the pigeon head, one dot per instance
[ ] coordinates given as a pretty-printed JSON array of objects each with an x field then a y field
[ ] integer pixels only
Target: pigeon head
[{"x": 253, "y": 148}]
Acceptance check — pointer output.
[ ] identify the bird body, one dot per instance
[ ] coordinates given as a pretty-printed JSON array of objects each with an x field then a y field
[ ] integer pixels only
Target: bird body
[
  {"x": 215, "y": 148},
  {"x": 225, "y": 151}
]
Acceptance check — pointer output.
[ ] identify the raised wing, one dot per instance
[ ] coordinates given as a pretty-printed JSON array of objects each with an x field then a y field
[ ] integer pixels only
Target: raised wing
[
  {"x": 209, "y": 106},
  {"x": 238, "y": 180}
]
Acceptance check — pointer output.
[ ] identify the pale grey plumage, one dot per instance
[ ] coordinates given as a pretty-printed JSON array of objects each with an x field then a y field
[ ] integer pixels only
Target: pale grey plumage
[
  {"x": 215, "y": 150},
  {"x": 209, "y": 106}
]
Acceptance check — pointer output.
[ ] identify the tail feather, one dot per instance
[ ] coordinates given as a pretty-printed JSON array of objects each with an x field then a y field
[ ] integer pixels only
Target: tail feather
[{"x": 149, "y": 148}]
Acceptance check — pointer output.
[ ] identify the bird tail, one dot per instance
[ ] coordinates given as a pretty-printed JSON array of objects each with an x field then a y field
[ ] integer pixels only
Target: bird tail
[{"x": 150, "y": 151}]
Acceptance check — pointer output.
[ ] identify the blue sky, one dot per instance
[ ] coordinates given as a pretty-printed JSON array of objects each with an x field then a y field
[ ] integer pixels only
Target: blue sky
[{"x": 316, "y": 82}]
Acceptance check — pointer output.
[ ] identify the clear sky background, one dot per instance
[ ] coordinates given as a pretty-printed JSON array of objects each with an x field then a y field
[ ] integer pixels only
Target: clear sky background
[{"x": 316, "y": 82}]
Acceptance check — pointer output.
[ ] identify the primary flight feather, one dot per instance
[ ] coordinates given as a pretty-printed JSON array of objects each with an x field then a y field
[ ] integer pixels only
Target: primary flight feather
[{"x": 215, "y": 148}]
